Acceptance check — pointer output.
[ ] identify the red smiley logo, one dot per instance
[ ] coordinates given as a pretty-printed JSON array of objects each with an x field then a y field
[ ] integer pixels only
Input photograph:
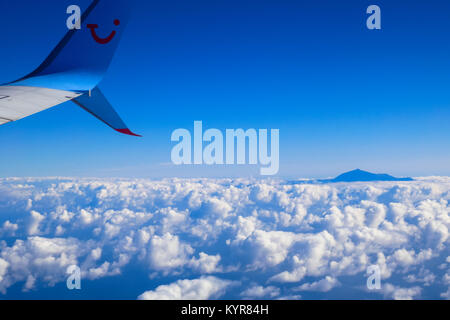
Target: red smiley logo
[{"x": 102, "y": 40}]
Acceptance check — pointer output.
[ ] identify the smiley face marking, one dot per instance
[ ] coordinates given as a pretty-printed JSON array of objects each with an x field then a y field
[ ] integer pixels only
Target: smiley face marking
[{"x": 102, "y": 40}]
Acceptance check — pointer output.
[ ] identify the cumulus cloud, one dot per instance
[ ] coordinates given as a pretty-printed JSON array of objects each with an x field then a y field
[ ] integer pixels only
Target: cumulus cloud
[
  {"x": 167, "y": 252},
  {"x": 257, "y": 292},
  {"x": 198, "y": 289},
  {"x": 37, "y": 257},
  {"x": 3, "y": 268},
  {"x": 276, "y": 238},
  {"x": 206, "y": 263},
  {"x": 35, "y": 219},
  {"x": 323, "y": 285},
  {"x": 8, "y": 229},
  {"x": 399, "y": 293}
]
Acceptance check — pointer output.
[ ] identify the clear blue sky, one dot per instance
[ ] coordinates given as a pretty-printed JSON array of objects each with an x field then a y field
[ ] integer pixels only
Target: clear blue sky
[{"x": 342, "y": 96}]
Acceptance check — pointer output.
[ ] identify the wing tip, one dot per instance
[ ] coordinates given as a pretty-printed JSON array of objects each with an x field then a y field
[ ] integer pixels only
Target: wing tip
[{"x": 128, "y": 132}]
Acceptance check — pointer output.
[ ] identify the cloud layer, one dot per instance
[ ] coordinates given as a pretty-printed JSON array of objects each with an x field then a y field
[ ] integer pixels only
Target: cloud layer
[{"x": 229, "y": 238}]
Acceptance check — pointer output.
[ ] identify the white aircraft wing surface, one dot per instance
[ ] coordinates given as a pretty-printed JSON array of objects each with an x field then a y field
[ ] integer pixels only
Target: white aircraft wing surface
[{"x": 17, "y": 102}]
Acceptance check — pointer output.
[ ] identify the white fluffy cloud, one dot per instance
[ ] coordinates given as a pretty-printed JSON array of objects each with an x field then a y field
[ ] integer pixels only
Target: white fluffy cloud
[
  {"x": 398, "y": 293},
  {"x": 198, "y": 289},
  {"x": 3, "y": 268},
  {"x": 167, "y": 252},
  {"x": 323, "y": 285},
  {"x": 206, "y": 263},
  {"x": 39, "y": 258},
  {"x": 277, "y": 239},
  {"x": 258, "y": 292}
]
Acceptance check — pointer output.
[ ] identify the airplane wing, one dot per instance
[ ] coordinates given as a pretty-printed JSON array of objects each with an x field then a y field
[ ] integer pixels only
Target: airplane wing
[
  {"x": 17, "y": 102},
  {"x": 73, "y": 69}
]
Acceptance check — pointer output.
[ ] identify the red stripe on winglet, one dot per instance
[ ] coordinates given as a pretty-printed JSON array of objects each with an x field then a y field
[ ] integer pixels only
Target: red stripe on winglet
[{"x": 128, "y": 132}]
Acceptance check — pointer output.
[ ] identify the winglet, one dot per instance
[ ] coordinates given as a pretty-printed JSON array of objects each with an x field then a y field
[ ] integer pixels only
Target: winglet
[
  {"x": 128, "y": 132},
  {"x": 97, "y": 105}
]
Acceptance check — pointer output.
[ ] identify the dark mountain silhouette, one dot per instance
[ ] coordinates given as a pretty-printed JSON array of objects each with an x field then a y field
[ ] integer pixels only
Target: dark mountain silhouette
[
  {"x": 360, "y": 175},
  {"x": 354, "y": 176}
]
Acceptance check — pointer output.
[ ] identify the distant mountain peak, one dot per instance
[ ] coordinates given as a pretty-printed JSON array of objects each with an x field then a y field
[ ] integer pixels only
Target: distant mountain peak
[
  {"x": 361, "y": 175},
  {"x": 356, "y": 175}
]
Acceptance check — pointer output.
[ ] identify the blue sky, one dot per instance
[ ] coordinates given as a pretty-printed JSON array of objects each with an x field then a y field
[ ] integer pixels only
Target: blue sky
[{"x": 342, "y": 96}]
